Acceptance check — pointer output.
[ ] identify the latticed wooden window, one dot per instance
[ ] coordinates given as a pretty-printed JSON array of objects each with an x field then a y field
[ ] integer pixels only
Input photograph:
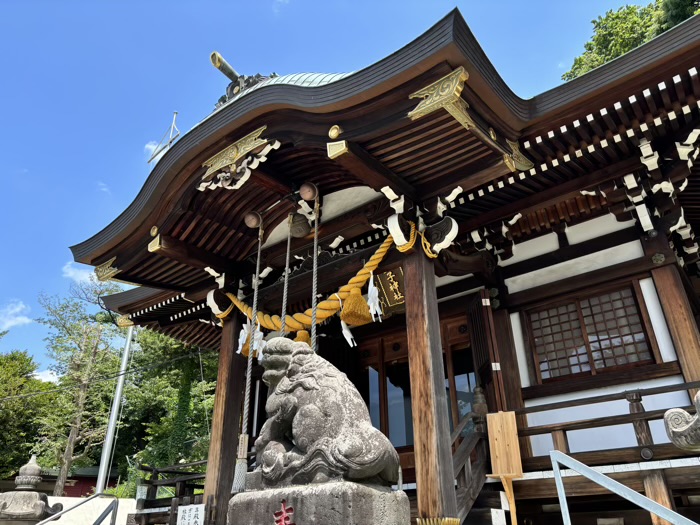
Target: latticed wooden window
[{"x": 590, "y": 334}]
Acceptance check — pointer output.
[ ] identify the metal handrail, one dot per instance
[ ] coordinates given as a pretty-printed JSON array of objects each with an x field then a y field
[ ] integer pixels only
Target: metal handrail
[
  {"x": 111, "y": 509},
  {"x": 559, "y": 458}
]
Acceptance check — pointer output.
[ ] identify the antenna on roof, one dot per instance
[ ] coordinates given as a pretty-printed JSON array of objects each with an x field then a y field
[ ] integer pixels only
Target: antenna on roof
[{"x": 170, "y": 136}]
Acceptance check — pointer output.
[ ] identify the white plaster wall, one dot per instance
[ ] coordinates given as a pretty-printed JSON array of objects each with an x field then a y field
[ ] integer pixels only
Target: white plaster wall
[
  {"x": 607, "y": 437},
  {"x": 574, "y": 267},
  {"x": 533, "y": 248},
  {"x": 619, "y": 436},
  {"x": 658, "y": 321},
  {"x": 90, "y": 511},
  {"x": 447, "y": 279},
  {"x": 597, "y": 227},
  {"x": 521, "y": 349}
]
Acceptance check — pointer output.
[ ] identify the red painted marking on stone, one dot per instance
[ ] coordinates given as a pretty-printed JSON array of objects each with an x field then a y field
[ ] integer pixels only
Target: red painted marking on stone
[{"x": 284, "y": 516}]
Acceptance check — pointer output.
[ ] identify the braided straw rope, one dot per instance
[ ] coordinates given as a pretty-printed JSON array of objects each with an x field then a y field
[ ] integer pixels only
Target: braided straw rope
[{"x": 325, "y": 309}]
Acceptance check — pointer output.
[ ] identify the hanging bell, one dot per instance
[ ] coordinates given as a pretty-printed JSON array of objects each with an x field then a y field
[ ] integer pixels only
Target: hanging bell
[
  {"x": 303, "y": 337},
  {"x": 299, "y": 226},
  {"x": 355, "y": 309}
]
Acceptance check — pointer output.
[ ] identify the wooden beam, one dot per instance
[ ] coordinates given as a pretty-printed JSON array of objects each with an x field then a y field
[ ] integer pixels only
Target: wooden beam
[
  {"x": 680, "y": 320},
  {"x": 594, "y": 278},
  {"x": 550, "y": 196},
  {"x": 572, "y": 251},
  {"x": 512, "y": 385},
  {"x": 262, "y": 178},
  {"x": 350, "y": 225},
  {"x": 188, "y": 254},
  {"x": 654, "y": 481},
  {"x": 225, "y": 424},
  {"x": 364, "y": 166},
  {"x": 433, "y": 455}
]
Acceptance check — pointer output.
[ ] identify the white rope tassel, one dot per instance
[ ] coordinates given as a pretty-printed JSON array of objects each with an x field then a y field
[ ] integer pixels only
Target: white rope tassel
[
  {"x": 375, "y": 308},
  {"x": 243, "y": 335},
  {"x": 347, "y": 333},
  {"x": 258, "y": 343}
]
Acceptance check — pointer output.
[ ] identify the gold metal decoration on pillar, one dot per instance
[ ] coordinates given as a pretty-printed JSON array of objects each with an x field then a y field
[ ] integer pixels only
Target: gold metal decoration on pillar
[
  {"x": 123, "y": 321},
  {"x": 446, "y": 94},
  {"x": 106, "y": 271},
  {"x": 516, "y": 161},
  {"x": 334, "y": 132},
  {"x": 336, "y": 149}
]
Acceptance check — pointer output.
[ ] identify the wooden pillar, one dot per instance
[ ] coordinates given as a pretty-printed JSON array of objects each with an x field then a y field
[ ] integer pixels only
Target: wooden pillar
[
  {"x": 680, "y": 320},
  {"x": 655, "y": 487},
  {"x": 510, "y": 373},
  {"x": 230, "y": 384},
  {"x": 431, "y": 431}
]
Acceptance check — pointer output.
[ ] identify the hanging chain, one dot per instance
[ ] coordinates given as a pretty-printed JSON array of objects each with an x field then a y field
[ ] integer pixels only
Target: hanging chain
[
  {"x": 283, "y": 329},
  {"x": 314, "y": 286}
]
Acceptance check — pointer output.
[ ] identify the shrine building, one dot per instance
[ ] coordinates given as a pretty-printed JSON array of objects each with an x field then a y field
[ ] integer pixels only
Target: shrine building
[{"x": 529, "y": 256}]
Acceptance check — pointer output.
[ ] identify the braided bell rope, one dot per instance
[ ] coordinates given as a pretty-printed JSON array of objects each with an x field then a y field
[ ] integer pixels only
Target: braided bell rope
[{"x": 325, "y": 309}]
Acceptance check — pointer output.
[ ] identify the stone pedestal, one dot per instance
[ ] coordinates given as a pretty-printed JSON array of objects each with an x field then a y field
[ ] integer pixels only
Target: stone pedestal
[
  {"x": 335, "y": 503},
  {"x": 25, "y": 506}
]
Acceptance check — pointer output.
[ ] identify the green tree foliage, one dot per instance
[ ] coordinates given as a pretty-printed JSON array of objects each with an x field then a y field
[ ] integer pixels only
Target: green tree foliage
[
  {"x": 620, "y": 31},
  {"x": 20, "y": 416},
  {"x": 80, "y": 342},
  {"x": 673, "y": 12},
  {"x": 166, "y": 410},
  {"x": 167, "y": 407}
]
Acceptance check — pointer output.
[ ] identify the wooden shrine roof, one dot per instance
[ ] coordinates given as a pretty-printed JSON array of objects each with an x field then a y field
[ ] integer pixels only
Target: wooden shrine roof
[{"x": 582, "y": 136}]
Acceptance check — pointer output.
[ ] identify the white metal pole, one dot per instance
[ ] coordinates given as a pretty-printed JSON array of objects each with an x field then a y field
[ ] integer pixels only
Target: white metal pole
[{"x": 114, "y": 414}]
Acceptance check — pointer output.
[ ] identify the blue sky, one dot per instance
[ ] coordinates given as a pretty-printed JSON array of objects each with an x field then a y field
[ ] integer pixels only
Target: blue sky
[{"x": 86, "y": 86}]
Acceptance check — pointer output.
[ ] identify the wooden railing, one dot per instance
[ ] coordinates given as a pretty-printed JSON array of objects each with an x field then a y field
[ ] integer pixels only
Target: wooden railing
[
  {"x": 183, "y": 481},
  {"x": 637, "y": 416},
  {"x": 469, "y": 461}
]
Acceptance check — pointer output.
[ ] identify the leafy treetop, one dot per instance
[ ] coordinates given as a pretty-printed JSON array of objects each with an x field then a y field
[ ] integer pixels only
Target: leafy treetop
[{"x": 618, "y": 32}]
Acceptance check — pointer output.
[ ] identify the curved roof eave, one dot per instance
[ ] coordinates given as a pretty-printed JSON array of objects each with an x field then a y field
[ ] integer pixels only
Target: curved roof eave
[{"x": 449, "y": 40}]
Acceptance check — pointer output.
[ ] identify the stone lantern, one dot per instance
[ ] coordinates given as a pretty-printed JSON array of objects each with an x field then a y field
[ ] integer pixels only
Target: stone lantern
[{"x": 24, "y": 505}]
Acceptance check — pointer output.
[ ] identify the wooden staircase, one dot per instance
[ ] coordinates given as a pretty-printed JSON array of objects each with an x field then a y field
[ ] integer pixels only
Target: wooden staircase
[{"x": 470, "y": 461}]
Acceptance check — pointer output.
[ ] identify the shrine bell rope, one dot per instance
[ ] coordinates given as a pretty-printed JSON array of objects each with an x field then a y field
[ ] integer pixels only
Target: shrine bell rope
[{"x": 325, "y": 309}]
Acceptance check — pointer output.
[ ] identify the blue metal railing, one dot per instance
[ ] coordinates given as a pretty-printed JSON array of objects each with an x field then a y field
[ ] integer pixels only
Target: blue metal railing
[
  {"x": 110, "y": 509},
  {"x": 559, "y": 458}
]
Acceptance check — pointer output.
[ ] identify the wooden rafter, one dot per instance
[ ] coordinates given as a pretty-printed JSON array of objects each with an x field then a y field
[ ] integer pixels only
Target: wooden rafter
[
  {"x": 188, "y": 254},
  {"x": 365, "y": 167}
]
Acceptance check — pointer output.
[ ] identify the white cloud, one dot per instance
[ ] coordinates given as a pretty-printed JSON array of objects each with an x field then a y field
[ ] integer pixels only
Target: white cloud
[
  {"x": 150, "y": 148},
  {"x": 47, "y": 375},
  {"x": 13, "y": 314},
  {"x": 101, "y": 186},
  {"x": 75, "y": 273},
  {"x": 277, "y": 5}
]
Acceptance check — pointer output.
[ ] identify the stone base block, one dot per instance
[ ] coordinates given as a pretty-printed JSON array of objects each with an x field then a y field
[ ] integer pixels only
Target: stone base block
[{"x": 339, "y": 503}]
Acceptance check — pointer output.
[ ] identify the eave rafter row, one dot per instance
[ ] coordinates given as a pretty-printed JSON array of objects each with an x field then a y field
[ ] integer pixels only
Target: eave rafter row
[
  {"x": 650, "y": 195},
  {"x": 623, "y": 143}
]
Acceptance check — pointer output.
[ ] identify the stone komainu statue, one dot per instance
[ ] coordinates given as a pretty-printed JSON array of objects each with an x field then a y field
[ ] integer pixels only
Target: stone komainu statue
[{"x": 318, "y": 427}]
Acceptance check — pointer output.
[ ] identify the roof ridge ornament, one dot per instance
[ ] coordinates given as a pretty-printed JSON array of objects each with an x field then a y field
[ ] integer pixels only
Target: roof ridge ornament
[{"x": 446, "y": 93}]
